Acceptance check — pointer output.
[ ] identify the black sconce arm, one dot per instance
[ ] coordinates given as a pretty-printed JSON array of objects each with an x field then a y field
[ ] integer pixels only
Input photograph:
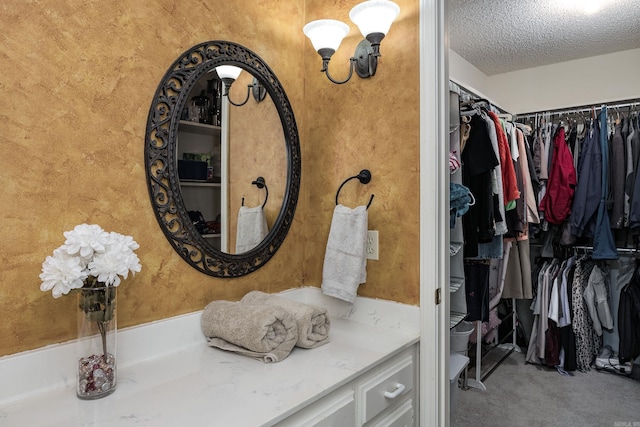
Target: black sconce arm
[
  {"x": 259, "y": 95},
  {"x": 364, "y": 60},
  {"x": 326, "y": 54}
]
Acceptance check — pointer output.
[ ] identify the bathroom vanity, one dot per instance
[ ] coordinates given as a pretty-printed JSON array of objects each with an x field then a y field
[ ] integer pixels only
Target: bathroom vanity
[{"x": 366, "y": 375}]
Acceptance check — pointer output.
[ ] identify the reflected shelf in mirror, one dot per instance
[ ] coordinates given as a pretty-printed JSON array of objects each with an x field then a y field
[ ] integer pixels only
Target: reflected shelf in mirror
[{"x": 201, "y": 128}]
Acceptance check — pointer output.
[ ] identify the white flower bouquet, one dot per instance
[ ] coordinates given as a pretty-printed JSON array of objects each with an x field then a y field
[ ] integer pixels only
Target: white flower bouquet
[{"x": 90, "y": 257}]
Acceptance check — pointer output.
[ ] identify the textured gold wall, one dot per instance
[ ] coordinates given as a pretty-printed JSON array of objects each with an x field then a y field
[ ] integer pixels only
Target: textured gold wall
[
  {"x": 366, "y": 124},
  {"x": 77, "y": 82}
]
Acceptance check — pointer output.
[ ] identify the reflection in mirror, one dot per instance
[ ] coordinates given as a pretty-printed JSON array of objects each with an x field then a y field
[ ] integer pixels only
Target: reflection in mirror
[
  {"x": 203, "y": 156},
  {"x": 199, "y": 156},
  {"x": 256, "y": 148},
  {"x": 253, "y": 146}
]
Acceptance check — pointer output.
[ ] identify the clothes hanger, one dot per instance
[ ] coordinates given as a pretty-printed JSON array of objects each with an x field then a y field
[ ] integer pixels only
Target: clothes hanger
[
  {"x": 617, "y": 119},
  {"x": 581, "y": 128}
]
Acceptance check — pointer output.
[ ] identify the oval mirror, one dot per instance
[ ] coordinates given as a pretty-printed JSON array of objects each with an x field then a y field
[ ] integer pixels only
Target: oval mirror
[{"x": 215, "y": 163}]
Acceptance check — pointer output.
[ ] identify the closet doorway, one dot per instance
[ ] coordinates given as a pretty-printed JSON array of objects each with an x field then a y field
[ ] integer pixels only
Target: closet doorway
[{"x": 545, "y": 55}]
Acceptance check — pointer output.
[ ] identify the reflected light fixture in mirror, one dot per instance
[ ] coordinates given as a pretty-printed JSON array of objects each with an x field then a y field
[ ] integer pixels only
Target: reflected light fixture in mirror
[
  {"x": 229, "y": 74},
  {"x": 373, "y": 18}
]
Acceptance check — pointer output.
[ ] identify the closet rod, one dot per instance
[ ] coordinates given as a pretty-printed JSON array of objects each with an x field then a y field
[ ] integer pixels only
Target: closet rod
[
  {"x": 582, "y": 109},
  {"x": 619, "y": 250},
  {"x": 475, "y": 97}
]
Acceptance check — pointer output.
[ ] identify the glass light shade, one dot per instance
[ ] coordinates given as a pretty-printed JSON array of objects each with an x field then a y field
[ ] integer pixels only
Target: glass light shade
[
  {"x": 326, "y": 33},
  {"x": 228, "y": 72},
  {"x": 374, "y": 16}
]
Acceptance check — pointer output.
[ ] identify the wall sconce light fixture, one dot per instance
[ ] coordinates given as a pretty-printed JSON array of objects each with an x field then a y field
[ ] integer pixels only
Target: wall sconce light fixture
[
  {"x": 229, "y": 74},
  {"x": 373, "y": 18}
]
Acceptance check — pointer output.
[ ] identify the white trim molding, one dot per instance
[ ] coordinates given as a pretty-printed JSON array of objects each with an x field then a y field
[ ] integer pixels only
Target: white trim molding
[{"x": 434, "y": 231}]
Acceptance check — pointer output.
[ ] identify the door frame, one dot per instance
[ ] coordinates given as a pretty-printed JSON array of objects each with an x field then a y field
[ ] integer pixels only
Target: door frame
[{"x": 434, "y": 218}]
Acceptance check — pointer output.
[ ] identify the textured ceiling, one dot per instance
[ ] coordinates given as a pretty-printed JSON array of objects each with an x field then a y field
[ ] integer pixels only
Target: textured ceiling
[{"x": 499, "y": 36}]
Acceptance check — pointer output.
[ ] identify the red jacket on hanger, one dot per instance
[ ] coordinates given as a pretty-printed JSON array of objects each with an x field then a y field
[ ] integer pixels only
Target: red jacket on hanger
[
  {"x": 509, "y": 181},
  {"x": 556, "y": 203}
]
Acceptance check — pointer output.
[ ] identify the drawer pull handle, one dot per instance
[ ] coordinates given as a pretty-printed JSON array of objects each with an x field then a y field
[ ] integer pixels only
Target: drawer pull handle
[{"x": 397, "y": 392}]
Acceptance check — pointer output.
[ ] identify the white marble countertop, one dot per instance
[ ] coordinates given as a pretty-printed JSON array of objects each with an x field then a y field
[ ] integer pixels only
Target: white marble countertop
[{"x": 199, "y": 385}]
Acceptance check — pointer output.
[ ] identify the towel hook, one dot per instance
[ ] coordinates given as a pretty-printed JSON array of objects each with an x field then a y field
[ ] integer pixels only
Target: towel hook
[
  {"x": 364, "y": 177},
  {"x": 260, "y": 183}
]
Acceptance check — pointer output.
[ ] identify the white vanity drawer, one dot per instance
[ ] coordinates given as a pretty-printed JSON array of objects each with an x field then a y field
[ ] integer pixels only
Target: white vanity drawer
[
  {"x": 335, "y": 410},
  {"x": 402, "y": 416},
  {"x": 384, "y": 396},
  {"x": 386, "y": 387}
]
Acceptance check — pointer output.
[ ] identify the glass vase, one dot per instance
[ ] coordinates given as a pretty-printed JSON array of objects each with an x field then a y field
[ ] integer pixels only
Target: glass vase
[{"x": 96, "y": 343}]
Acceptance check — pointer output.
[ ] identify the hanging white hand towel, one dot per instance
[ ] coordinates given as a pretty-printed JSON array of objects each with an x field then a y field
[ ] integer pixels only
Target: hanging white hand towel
[
  {"x": 252, "y": 228},
  {"x": 345, "y": 260}
]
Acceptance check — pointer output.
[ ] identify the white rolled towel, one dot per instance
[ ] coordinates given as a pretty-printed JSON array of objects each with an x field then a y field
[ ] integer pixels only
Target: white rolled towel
[
  {"x": 262, "y": 332},
  {"x": 313, "y": 321}
]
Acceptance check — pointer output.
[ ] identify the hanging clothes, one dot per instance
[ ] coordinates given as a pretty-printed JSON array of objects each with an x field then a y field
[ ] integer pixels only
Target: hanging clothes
[
  {"x": 460, "y": 199},
  {"x": 604, "y": 247},
  {"x": 588, "y": 191},
  {"x": 630, "y": 173},
  {"x": 516, "y": 217},
  {"x": 494, "y": 248},
  {"x": 537, "y": 149},
  {"x": 556, "y": 203},
  {"x": 629, "y": 319},
  {"x": 540, "y": 308},
  {"x": 476, "y": 284},
  {"x": 567, "y": 339},
  {"x": 532, "y": 216},
  {"x": 564, "y": 306},
  {"x": 478, "y": 159},
  {"x": 581, "y": 132},
  {"x": 510, "y": 185},
  {"x": 596, "y": 297},
  {"x": 500, "y": 225},
  {"x": 618, "y": 173},
  {"x": 588, "y": 343},
  {"x": 518, "y": 274},
  {"x": 489, "y": 329},
  {"x": 634, "y": 210},
  {"x": 534, "y": 181},
  {"x": 552, "y": 335}
]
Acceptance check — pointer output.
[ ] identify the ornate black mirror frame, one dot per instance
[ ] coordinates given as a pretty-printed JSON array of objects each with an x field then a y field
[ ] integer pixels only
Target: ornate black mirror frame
[{"x": 161, "y": 163}]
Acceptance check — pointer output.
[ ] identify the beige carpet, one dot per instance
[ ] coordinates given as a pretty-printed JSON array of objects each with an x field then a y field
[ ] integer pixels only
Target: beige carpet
[{"x": 520, "y": 394}]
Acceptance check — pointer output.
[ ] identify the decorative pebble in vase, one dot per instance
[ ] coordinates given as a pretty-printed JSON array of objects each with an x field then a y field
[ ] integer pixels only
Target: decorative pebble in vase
[{"x": 96, "y": 343}]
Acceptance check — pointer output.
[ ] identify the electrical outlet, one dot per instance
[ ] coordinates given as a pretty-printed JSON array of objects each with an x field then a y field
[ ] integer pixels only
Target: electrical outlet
[{"x": 372, "y": 244}]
